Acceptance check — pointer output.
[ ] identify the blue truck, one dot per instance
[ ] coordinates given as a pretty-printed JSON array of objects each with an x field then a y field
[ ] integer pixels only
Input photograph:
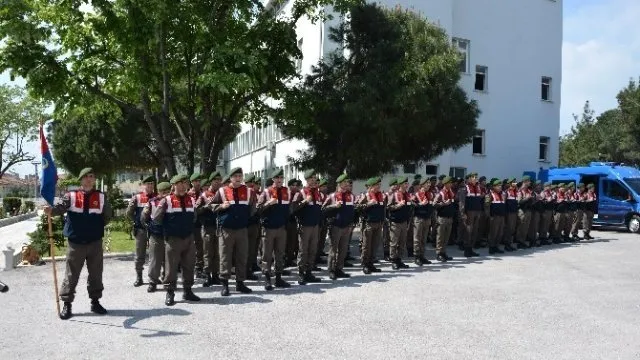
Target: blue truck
[{"x": 617, "y": 187}]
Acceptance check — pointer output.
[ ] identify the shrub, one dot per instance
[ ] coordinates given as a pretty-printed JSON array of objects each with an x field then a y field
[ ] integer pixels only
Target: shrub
[
  {"x": 39, "y": 238},
  {"x": 121, "y": 223},
  {"x": 116, "y": 199},
  {"x": 30, "y": 205},
  {"x": 11, "y": 205}
]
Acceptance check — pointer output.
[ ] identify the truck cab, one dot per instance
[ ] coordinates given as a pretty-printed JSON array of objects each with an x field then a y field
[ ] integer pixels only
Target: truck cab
[{"x": 617, "y": 188}]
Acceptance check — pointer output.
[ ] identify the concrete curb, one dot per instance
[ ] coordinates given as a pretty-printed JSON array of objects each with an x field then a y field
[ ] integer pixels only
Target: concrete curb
[
  {"x": 106, "y": 256},
  {"x": 17, "y": 219}
]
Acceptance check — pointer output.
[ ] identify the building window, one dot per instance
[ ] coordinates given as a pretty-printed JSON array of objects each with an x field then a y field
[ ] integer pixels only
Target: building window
[
  {"x": 409, "y": 169},
  {"x": 431, "y": 169},
  {"x": 457, "y": 172},
  {"x": 463, "y": 48},
  {"x": 543, "y": 152},
  {"x": 299, "y": 60},
  {"x": 478, "y": 143},
  {"x": 481, "y": 78},
  {"x": 546, "y": 88}
]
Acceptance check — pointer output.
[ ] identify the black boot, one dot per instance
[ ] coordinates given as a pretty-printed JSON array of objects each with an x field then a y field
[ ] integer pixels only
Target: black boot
[
  {"x": 255, "y": 268},
  {"x": 395, "y": 265},
  {"x": 242, "y": 288},
  {"x": 96, "y": 308},
  {"x": 215, "y": 279},
  {"x": 66, "y": 311},
  {"x": 188, "y": 295},
  {"x": 302, "y": 280},
  {"x": 200, "y": 274},
  {"x": 509, "y": 248},
  {"x": 374, "y": 269},
  {"x": 442, "y": 257},
  {"x": 418, "y": 261},
  {"x": 267, "y": 282},
  {"x": 152, "y": 288},
  {"x": 366, "y": 270},
  {"x": 225, "y": 287},
  {"x": 170, "y": 298},
  {"x": 468, "y": 252},
  {"x": 252, "y": 276},
  {"x": 309, "y": 278},
  {"x": 138, "y": 281},
  {"x": 333, "y": 275},
  {"x": 209, "y": 281},
  {"x": 341, "y": 274},
  {"x": 281, "y": 283}
]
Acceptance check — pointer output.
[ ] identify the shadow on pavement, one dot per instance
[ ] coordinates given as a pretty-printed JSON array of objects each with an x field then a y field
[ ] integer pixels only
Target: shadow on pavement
[{"x": 136, "y": 315}]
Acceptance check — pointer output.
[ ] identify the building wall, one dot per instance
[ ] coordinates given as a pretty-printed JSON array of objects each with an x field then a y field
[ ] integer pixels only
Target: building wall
[{"x": 518, "y": 42}]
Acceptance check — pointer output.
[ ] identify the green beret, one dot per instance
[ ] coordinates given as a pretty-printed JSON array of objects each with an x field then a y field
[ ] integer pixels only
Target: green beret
[
  {"x": 472, "y": 175},
  {"x": 415, "y": 182},
  {"x": 343, "y": 177},
  {"x": 276, "y": 173},
  {"x": 84, "y": 172},
  {"x": 526, "y": 178},
  {"x": 548, "y": 183},
  {"x": 561, "y": 185},
  {"x": 433, "y": 178},
  {"x": 581, "y": 185},
  {"x": 496, "y": 182},
  {"x": 494, "y": 179},
  {"x": 424, "y": 181},
  {"x": 538, "y": 182},
  {"x": 441, "y": 177},
  {"x": 374, "y": 181},
  {"x": 571, "y": 185},
  {"x": 195, "y": 176},
  {"x": 402, "y": 180},
  {"x": 309, "y": 173},
  {"x": 214, "y": 175},
  {"x": 226, "y": 179},
  {"x": 292, "y": 182},
  {"x": 511, "y": 181},
  {"x": 164, "y": 186},
  {"x": 178, "y": 178},
  {"x": 234, "y": 171},
  {"x": 417, "y": 177},
  {"x": 590, "y": 186},
  {"x": 393, "y": 181},
  {"x": 249, "y": 179},
  {"x": 322, "y": 182},
  {"x": 299, "y": 182},
  {"x": 149, "y": 179},
  {"x": 446, "y": 179},
  {"x": 268, "y": 183},
  {"x": 258, "y": 180},
  {"x": 553, "y": 186}
]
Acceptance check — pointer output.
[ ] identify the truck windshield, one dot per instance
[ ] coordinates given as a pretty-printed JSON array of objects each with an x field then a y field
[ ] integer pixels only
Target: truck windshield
[{"x": 634, "y": 184}]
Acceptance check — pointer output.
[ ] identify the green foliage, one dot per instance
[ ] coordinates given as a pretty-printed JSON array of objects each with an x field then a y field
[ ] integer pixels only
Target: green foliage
[
  {"x": 30, "y": 205},
  {"x": 19, "y": 192},
  {"x": 116, "y": 198},
  {"x": 394, "y": 99},
  {"x": 70, "y": 181},
  {"x": 19, "y": 117},
  {"x": 121, "y": 223},
  {"x": 191, "y": 71},
  {"x": 40, "y": 239},
  {"x": 12, "y": 205},
  {"x": 611, "y": 136}
]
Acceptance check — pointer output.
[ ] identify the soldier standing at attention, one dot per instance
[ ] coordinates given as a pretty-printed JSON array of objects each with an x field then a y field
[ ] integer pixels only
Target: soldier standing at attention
[
  {"x": 88, "y": 212},
  {"x": 434, "y": 217},
  {"x": 572, "y": 208},
  {"x": 496, "y": 210},
  {"x": 274, "y": 207},
  {"x": 393, "y": 185},
  {"x": 195, "y": 192},
  {"x": 234, "y": 204},
  {"x": 577, "y": 220},
  {"x": 444, "y": 204},
  {"x": 176, "y": 214},
  {"x": 399, "y": 216},
  {"x": 307, "y": 203},
  {"x": 342, "y": 204},
  {"x": 415, "y": 185},
  {"x": 536, "y": 214},
  {"x": 470, "y": 207},
  {"x": 590, "y": 208},
  {"x": 511, "y": 219},
  {"x": 291, "y": 230},
  {"x": 156, "y": 236},
  {"x": 324, "y": 224},
  {"x": 423, "y": 209},
  {"x": 547, "y": 204},
  {"x": 560, "y": 216},
  {"x": 525, "y": 201},
  {"x": 134, "y": 210},
  {"x": 253, "y": 232},
  {"x": 209, "y": 230},
  {"x": 360, "y": 214},
  {"x": 483, "y": 222},
  {"x": 373, "y": 209}
]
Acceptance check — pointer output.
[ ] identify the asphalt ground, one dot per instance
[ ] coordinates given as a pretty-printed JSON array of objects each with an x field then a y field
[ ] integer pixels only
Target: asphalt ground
[{"x": 579, "y": 301}]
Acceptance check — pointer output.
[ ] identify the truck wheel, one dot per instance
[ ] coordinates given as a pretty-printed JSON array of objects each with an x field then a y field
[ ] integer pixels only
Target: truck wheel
[{"x": 634, "y": 224}]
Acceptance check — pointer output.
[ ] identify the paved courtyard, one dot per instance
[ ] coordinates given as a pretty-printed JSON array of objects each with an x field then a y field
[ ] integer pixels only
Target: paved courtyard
[{"x": 577, "y": 301}]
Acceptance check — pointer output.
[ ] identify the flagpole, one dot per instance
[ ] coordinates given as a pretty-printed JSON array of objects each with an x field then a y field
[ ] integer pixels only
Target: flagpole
[{"x": 52, "y": 248}]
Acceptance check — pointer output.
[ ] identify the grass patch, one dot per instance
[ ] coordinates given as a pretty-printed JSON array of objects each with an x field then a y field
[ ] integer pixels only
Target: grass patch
[{"x": 120, "y": 242}]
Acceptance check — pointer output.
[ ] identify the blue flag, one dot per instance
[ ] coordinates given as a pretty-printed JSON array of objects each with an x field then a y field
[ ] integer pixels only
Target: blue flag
[{"x": 49, "y": 175}]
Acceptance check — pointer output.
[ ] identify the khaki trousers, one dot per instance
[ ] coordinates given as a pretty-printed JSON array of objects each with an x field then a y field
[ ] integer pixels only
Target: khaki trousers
[
  {"x": 339, "y": 246},
  {"x": 141, "y": 248},
  {"x": 534, "y": 226},
  {"x": 275, "y": 242},
  {"x": 420, "y": 235},
  {"x": 545, "y": 224},
  {"x": 444, "y": 232},
  {"x": 180, "y": 251},
  {"x": 496, "y": 229},
  {"x": 398, "y": 239},
  {"x": 510, "y": 222},
  {"x": 471, "y": 226},
  {"x": 233, "y": 246},
  {"x": 371, "y": 239},
  {"x": 587, "y": 222},
  {"x": 199, "y": 246},
  {"x": 156, "y": 257},
  {"x": 577, "y": 222},
  {"x": 77, "y": 255},
  {"x": 211, "y": 249},
  {"x": 253, "y": 243},
  {"x": 307, "y": 248}
]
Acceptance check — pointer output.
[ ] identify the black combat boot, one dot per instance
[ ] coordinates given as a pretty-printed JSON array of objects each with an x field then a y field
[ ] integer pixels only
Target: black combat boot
[
  {"x": 309, "y": 278},
  {"x": 152, "y": 288},
  {"x": 66, "y": 311},
  {"x": 188, "y": 295},
  {"x": 170, "y": 298},
  {"x": 252, "y": 276},
  {"x": 442, "y": 257},
  {"x": 366, "y": 270},
  {"x": 333, "y": 275},
  {"x": 267, "y": 282},
  {"x": 342, "y": 275},
  {"x": 96, "y": 308},
  {"x": 138, "y": 281},
  {"x": 374, "y": 269},
  {"x": 302, "y": 279},
  {"x": 242, "y": 288},
  {"x": 395, "y": 265},
  {"x": 209, "y": 281},
  {"x": 225, "y": 287},
  {"x": 509, "y": 248},
  {"x": 281, "y": 283},
  {"x": 200, "y": 274},
  {"x": 418, "y": 261}
]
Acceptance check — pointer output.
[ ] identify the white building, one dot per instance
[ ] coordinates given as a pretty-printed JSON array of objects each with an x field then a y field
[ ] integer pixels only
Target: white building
[{"x": 512, "y": 67}]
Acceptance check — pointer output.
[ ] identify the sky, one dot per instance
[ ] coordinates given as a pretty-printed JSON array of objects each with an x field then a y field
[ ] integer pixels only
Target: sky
[{"x": 600, "y": 54}]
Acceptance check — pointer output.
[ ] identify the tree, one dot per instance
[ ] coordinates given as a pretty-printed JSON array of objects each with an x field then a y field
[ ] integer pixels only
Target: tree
[
  {"x": 19, "y": 118},
  {"x": 393, "y": 99},
  {"x": 191, "y": 70}
]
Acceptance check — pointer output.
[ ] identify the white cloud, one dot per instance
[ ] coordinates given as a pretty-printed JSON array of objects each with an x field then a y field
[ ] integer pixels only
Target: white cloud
[{"x": 601, "y": 52}]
